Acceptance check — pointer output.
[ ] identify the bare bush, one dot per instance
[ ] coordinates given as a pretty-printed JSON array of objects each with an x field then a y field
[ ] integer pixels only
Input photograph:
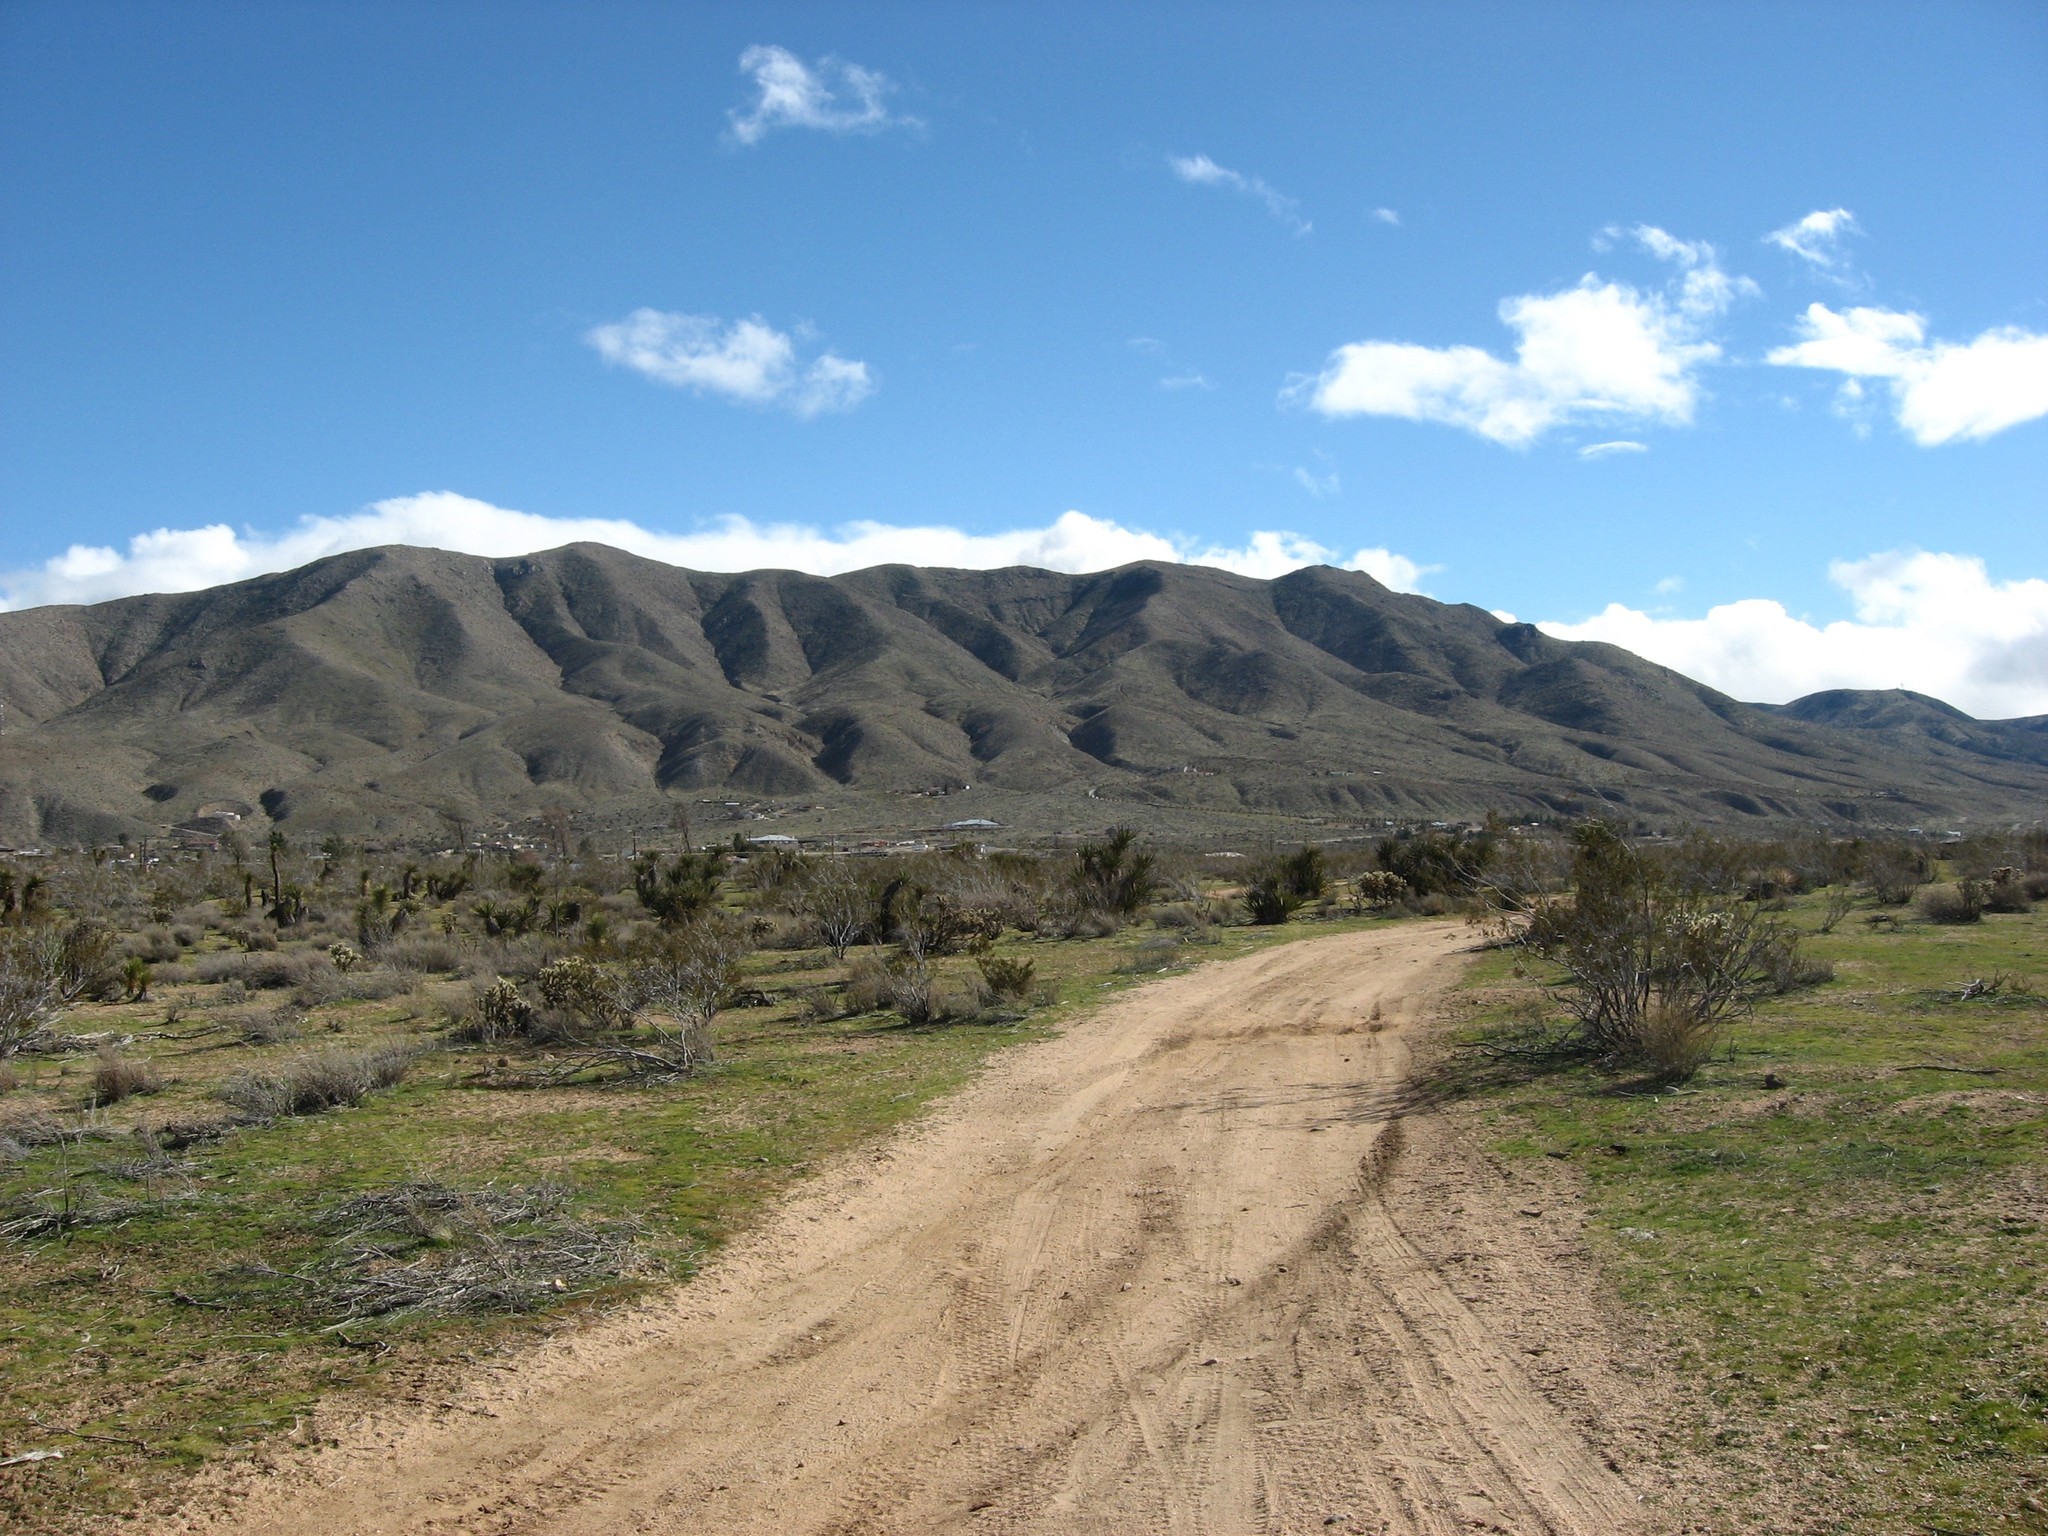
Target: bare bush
[
  {"x": 426, "y": 1248},
  {"x": 331, "y": 1079},
  {"x": 1962, "y": 902},
  {"x": 45, "y": 968},
  {"x": 1643, "y": 946},
  {"x": 1893, "y": 872}
]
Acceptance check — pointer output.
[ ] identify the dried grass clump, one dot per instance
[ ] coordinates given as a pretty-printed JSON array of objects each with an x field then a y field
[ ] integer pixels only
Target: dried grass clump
[
  {"x": 306, "y": 1085},
  {"x": 116, "y": 1077},
  {"x": 1674, "y": 1042}
]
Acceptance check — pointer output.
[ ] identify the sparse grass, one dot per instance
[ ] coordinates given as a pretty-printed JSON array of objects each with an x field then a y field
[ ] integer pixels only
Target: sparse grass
[
  {"x": 143, "y": 1314},
  {"x": 1846, "y": 1270}
]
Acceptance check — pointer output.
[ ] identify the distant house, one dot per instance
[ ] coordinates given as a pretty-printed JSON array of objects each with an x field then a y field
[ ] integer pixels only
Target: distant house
[
  {"x": 772, "y": 840},
  {"x": 972, "y": 824}
]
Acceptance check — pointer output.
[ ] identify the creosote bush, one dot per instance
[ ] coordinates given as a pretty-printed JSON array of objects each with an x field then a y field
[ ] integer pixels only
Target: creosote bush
[{"x": 115, "y": 1077}]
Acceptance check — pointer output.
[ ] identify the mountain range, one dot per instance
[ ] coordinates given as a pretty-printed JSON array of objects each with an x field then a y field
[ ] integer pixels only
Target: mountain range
[{"x": 391, "y": 692}]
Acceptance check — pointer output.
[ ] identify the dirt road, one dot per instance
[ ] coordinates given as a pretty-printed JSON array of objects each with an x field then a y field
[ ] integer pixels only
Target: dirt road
[{"x": 1140, "y": 1278}]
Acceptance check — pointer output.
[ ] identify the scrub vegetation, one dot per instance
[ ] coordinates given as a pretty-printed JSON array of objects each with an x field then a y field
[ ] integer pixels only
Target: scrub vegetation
[{"x": 1830, "y": 1220}]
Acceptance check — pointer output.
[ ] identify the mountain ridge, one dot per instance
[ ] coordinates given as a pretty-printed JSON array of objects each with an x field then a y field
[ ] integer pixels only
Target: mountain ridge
[{"x": 384, "y": 691}]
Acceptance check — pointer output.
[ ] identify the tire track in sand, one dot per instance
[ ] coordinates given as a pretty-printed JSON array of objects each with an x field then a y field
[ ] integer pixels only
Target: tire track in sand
[{"x": 1136, "y": 1278}]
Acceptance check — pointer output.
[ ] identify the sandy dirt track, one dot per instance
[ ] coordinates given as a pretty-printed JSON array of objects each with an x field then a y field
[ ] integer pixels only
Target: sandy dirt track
[{"x": 1139, "y": 1278}]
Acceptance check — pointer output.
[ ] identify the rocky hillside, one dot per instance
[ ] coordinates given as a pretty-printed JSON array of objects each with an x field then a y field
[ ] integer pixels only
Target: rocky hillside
[{"x": 390, "y": 690}]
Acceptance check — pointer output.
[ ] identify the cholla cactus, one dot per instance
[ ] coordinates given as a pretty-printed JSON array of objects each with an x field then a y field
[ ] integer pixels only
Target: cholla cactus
[
  {"x": 576, "y": 985},
  {"x": 346, "y": 957},
  {"x": 501, "y": 1009}
]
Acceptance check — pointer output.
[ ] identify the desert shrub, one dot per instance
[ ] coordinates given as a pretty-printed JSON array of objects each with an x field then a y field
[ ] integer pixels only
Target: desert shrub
[
  {"x": 1674, "y": 1042},
  {"x": 679, "y": 982},
  {"x": 422, "y": 954},
  {"x": 1071, "y": 914},
  {"x": 186, "y": 937},
  {"x": 1374, "y": 890},
  {"x": 868, "y": 985},
  {"x": 260, "y": 972},
  {"x": 1962, "y": 902},
  {"x": 1006, "y": 977},
  {"x": 1894, "y": 871},
  {"x": 1304, "y": 872},
  {"x": 305, "y": 1085},
  {"x": 1154, "y": 954},
  {"x": 272, "y": 1026},
  {"x": 115, "y": 1077},
  {"x": 259, "y": 939},
  {"x": 2006, "y": 891},
  {"x": 1641, "y": 948},
  {"x": 1439, "y": 863},
  {"x": 135, "y": 978},
  {"x": 1787, "y": 967},
  {"x": 46, "y": 967},
  {"x": 1179, "y": 914},
  {"x": 836, "y": 904},
  {"x": 154, "y": 945}
]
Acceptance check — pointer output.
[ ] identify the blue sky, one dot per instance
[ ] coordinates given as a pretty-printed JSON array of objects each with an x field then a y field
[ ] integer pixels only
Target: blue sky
[{"x": 1483, "y": 299}]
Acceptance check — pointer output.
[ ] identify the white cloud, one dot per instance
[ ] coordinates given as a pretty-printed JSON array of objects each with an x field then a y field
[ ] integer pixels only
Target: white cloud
[
  {"x": 1317, "y": 485},
  {"x": 1190, "y": 380},
  {"x": 1201, "y": 171},
  {"x": 1386, "y": 216},
  {"x": 831, "y": 95},
  {"x": 186, "y": 559},
  {"x": 1599, "y": 351},
  {"x": 1609, "y": 450},
  {"x": 1940, "y": 390},
  {"x": 1669, "y": 586},
  {"x": 749, "y": 361},
  {"x": 1817, "y": 238},
  {"x": 1935, "y": 623}
]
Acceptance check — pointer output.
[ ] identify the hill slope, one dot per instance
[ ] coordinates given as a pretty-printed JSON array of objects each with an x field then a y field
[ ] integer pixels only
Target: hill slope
[{"x": 380, "y": 691}]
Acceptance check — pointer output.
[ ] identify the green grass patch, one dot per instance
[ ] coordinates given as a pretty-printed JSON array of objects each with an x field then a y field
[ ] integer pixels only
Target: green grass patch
[{"x": 1846, "y": 1269}]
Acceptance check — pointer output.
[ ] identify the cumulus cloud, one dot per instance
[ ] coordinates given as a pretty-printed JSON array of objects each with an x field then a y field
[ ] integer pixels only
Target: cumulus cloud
[
  {"x": 1817, "y": 238},
  {"x": 1599, "y": 351},
  {"x": 830, "y": 95},
  {"x": 1201, "y": 171},
  {"x": 1941, "y": 390},
  {"x": 748, "y": 361},
  {"x": 1935, "y": 623},
  {"x": 185, "y": 559}
]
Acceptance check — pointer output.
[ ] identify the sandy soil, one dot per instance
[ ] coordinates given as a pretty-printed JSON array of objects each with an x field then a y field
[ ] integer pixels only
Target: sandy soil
[{"x": 1187, "y": 1268}]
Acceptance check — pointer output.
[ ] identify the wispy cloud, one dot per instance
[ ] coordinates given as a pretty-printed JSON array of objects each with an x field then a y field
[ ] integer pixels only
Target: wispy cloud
[
  {"x": 1201, "y": 171},
  {"x": 1317, "y": 485},
  {"x": 185, "y": 559},
  {"x": 1935, "y": 623},
  {"x": 1188, "y": 380},
  {"x": 1817, "y": 239},
  {"x": 1941, "y": 391},
  {"x": 1599, "y": 351},
  {"x": 1609, "y": 450},
  {"x": 1387, "y": 216},
  {"x": 830, "y": 95},
  {"x": 748, "y": 361}
]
